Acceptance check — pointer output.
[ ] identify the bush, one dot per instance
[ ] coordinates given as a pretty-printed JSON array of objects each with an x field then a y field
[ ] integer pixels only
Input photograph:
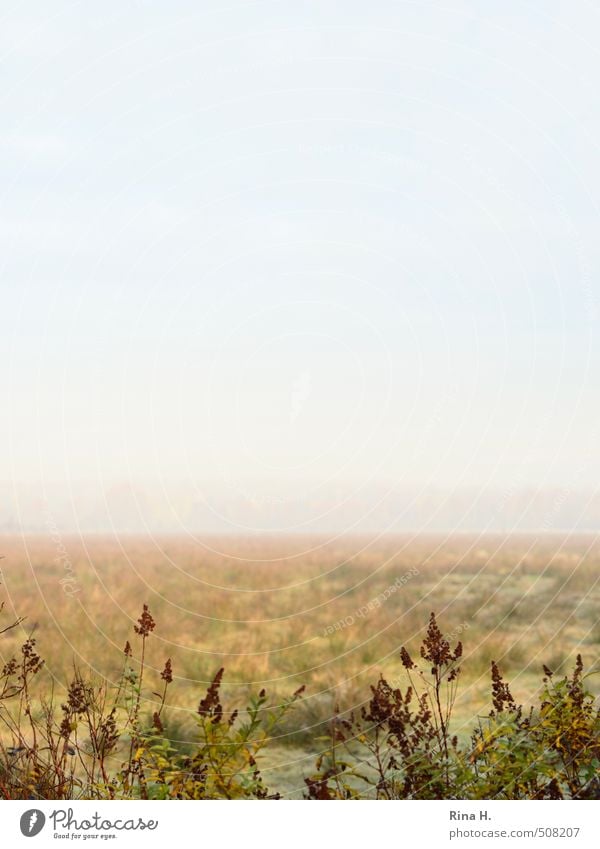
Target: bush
[
  {"x": 99, "y": 744},
  {"x": 102, "y": 743},
  {"x": 400, "y": 745}
]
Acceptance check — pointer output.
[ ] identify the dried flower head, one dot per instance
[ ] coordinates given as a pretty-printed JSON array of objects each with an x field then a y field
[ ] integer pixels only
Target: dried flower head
[
  {"x": 436, "y": 650},
  {"x": 167, "y": 673},
  {"x": 501, "y": 695},
  {"x": 32, "y": 662},
  {"x": 210, "y": 705},
  {"x": 146, "y": 623},
  {"x": 407, "y": 661}
]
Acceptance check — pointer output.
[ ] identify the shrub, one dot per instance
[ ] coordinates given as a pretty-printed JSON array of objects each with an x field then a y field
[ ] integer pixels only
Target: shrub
[
  {"x": 99, "y": 744},
  {"x": 550, "y": 753},
  {"x": 400, "y": 745},
  {"x": 101, "y": 741}
]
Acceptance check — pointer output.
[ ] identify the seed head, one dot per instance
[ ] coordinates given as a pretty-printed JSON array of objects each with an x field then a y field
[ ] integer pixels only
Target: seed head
[{"x": 146, "y": 623}]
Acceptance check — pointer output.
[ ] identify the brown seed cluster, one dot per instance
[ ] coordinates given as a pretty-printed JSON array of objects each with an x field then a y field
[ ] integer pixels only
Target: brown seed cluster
[{"x": 146, "y": 623}]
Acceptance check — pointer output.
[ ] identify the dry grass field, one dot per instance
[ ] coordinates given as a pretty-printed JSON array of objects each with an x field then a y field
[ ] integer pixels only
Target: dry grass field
[{"x": 281, "y": 612}]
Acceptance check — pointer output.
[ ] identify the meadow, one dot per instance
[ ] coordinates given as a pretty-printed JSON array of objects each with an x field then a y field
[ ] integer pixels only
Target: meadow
[{"x": 281, "y": 613}]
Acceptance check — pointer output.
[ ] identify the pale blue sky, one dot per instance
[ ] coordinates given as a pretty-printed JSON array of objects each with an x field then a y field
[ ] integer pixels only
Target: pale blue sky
[{"x": 276, "y": 244}]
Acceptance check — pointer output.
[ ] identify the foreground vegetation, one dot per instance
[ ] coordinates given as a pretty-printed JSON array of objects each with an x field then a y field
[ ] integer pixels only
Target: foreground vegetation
[
  {"x": 281, "y": 612},
  {"x": 100, "y": 742}
]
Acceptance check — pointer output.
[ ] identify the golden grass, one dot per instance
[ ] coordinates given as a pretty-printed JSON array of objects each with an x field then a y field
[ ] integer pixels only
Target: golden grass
[{"x": 280, "y": 612}]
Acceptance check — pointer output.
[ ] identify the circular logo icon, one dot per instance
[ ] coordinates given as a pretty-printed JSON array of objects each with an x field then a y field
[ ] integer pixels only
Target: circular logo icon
[{"x": 32, "y": 822}]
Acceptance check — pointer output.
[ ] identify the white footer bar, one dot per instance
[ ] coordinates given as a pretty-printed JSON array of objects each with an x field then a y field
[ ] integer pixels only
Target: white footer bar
[{"x": 310, "y": 824}]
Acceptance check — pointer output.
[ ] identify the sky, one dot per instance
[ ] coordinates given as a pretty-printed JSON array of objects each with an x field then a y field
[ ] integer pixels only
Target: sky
[{"x": 259, "y": 253}]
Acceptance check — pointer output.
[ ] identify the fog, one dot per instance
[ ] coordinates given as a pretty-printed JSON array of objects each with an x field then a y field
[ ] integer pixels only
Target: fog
[{"x": 275, "y": 266}]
